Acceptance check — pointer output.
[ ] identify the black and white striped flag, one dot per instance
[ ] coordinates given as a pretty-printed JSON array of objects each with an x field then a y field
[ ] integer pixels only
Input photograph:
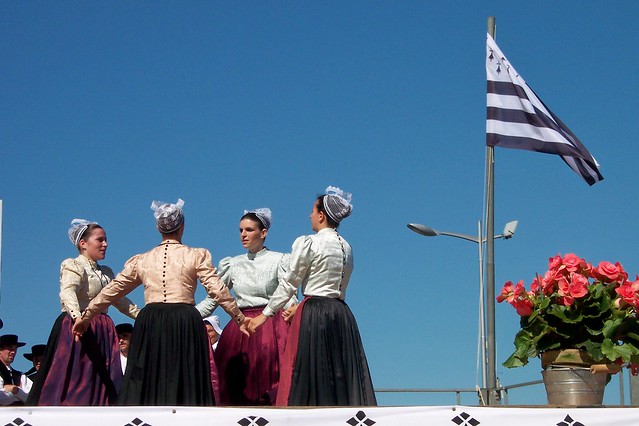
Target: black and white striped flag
[{"x": 517, "y": 118}]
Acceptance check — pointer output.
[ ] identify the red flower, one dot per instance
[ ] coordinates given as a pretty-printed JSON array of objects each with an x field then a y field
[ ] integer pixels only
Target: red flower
[
  {"x": 517, "y": 296},
  {"x": 629, "y": 292},
  {"x": 576, "y": 288},
  {"x": 509, "y": 292},
  {"x": 572, "y": 262},
  {"x": 554, "y": 262},
  {"x": 608, "y": 273},
  {"x": 549, "y": 281},
  {"x": 524, "y": 306}
]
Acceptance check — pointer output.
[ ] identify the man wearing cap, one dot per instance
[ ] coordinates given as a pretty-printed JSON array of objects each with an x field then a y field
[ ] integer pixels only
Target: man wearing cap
[
  {"x": 36, "y": 356},
  {"x": 124, "y": 331},
  {"x": 11, "y": 381}
]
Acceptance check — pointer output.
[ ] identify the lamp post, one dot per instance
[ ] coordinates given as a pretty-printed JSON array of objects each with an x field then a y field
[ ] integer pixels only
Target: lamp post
[{"x": 488, "y": 368}]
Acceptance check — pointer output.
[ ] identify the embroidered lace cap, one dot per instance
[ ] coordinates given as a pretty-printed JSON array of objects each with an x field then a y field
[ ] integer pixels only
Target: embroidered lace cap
[
  {"x": 168, "y": 217},
  {"x": 78, "y": 226},
  {"x": 263, "y": 214},
  {"x": 337, "y": 203}
]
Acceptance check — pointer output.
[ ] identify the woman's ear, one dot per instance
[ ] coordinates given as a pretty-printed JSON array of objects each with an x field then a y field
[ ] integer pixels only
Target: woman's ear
[{"x": 321, "y": 217}]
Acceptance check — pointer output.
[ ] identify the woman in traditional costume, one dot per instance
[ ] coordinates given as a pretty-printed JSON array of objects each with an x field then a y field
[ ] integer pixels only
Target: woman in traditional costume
[
  {"x": 168, "y": 361},
  {"x": 325, "y": 363},
  {"x": 249, "y": 368},
  {"x": 82, "y": 371}
]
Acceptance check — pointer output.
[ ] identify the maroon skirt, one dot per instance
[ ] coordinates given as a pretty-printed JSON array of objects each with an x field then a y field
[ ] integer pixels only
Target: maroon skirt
[
  {"x": 249, "y": 368},
  {"x": 79, "y": 373}
]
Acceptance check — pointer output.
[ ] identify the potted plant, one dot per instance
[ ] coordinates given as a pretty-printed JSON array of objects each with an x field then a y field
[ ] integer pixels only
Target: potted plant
[{"x": 589, "y": 311}]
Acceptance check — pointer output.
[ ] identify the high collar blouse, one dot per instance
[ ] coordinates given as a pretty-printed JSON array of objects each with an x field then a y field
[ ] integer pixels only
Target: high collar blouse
[
  {"x": 321, "y": 264},
  {"x": 252, "y": 276},
  {"x": 170, "y": 273},
  {"x": 81, "y": 279}
]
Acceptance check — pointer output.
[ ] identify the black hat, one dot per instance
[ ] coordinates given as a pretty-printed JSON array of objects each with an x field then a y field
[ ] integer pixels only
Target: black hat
[
  {"x": 36, "y": 350},
  {"x": 10, "y": 340},
  {"x": 124, "y": 328}
]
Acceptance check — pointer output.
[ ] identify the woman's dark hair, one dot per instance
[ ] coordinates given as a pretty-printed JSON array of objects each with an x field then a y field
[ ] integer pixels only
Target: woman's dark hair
[
  {"x": 320, "y": 208},
  {"x": 88, "y": 232},
  {"x": 254, "y": 218}
]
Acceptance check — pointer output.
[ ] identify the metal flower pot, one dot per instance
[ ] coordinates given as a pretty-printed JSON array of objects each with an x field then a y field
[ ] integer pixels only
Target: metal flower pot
[{"x": 574, "y": 386}]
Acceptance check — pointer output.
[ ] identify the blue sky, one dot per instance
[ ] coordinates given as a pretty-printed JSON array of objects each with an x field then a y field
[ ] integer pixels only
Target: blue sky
[{"x": 234, "y": 105}]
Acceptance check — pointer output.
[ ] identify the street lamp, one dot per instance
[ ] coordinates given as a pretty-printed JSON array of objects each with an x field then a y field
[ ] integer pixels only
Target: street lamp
[{"x": 509, "y": 231}]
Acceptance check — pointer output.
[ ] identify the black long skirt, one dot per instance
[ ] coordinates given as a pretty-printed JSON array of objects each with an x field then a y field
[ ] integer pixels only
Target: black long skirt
[
  {"x": 168, "y": 362},
  {"x": 330, "y": 366}
]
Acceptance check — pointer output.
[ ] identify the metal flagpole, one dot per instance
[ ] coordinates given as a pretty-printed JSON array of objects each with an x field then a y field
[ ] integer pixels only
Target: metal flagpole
[{"x": 490, "y": 264}]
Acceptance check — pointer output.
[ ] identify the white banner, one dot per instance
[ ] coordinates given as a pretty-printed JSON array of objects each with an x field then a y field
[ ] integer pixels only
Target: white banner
[{"x": 353, "y": 416}]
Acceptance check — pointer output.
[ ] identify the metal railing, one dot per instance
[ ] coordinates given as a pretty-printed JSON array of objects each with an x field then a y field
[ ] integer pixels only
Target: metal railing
[
  {"x": 502, "y": 391},
  {"x": 456, "y": 391}
]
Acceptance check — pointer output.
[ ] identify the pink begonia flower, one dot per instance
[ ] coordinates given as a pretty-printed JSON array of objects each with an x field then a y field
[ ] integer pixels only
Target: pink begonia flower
[
  {"x": 607, "y": 272},
  {"x": 549, "y": 281},
  {"x": 629, "y": 292},
  {"x": 573, "y": 289},
  {"x": 517, "y": 296},
  {"x": 524, "y": 306},
  {"x": 535, "y": 287},
  {"x": 554, "y": 262},
  {"x": 507, "y": 292},
  {"x": 572, "y": 262},
  {"x": 510, "y": 292}
]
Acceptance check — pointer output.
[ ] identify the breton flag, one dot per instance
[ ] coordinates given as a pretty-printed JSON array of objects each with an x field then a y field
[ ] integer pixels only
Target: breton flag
[{"x": 517, "y": 118}]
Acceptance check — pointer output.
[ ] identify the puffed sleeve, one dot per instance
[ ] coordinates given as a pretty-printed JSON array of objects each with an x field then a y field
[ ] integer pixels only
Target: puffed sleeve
[
  {"x": 214, "y": 286},
  {"x": 281, "y": 273},
  {"x": 292, "y": 276},
  {"x": 124, "y": 304},
  {"x": 121, "y": 285},
  {"x": 208, "y": 305},
  {"x": 71, "y": 275}
]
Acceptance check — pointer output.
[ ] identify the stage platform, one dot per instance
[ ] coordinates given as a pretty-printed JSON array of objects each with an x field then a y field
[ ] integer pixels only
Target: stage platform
[{"x": 353, "y": 416}]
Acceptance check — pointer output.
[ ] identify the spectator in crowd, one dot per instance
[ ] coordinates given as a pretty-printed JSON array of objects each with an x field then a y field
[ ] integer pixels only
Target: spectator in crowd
[
  {"x": 213, "y": 329},
  {"x": 12, "y": 381},
  {"x": 36, "y": 356},
  {"x": 124, "y": 331}
]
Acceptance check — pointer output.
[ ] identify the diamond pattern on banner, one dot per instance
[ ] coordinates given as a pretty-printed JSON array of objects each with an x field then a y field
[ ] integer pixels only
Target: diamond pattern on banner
[
  {"x": 568, "y": 421},
  {"x": 465, "y": 419},
  {"x": 137, "y": 422},
  {"x": 360, "y": 419},
  {"x": 253, "y": 421},
  {"x": 18, "y": 422}
]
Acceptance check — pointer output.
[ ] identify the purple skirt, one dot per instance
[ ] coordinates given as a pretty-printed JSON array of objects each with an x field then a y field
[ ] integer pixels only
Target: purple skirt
[
  {"x": 249, "y": 368},
  {"x": 79, "y": 373}
]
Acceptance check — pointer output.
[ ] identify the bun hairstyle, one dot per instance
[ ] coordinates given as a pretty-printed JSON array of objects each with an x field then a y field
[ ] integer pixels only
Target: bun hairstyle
[
  {"x": 168, "y": 217},
  {"x": 336, "y": 204}
]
